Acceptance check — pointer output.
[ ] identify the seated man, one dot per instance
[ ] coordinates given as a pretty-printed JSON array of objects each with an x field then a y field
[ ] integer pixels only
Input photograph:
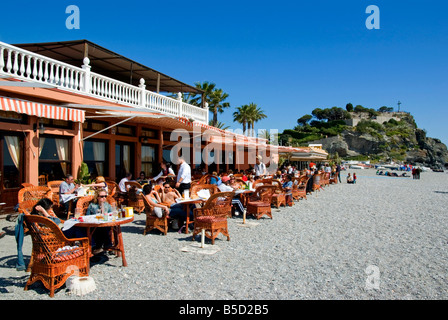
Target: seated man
[
  {"x": 349, "y": 178},
  {"x": 224, "y": 186},
  {"x": 127, "y": 178},
  {"x": 67, "y": 192},
  {"x": 177, "y": 212}
]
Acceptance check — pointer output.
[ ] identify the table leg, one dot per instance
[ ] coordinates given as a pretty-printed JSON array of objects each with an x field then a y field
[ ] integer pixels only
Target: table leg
[
  {"x": 120, "y": 246},
  {"x": 188, "y": 219}
]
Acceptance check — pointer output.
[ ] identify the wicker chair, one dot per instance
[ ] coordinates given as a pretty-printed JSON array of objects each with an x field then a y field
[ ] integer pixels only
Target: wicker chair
[
  {"x": 51, "y": 263},
  {"x": 198, "y": 187},
  {"x": 34, "y": 193},
  {"x": 43, "y": 179},
  {"x": 26, "y": 207},
  {"x": 213, "y": 216},
  {"x": 25, "y": 184},
  {"x": 334, "y": 178},
  {"x": 325, "y": 179},
  {"x": 152, "y": 221},
  {"x": 135, "y": 200},
  {"x": 259, "y": 204},
  {"x": 317, "y": 182},
  {"x": 279, "y": 196},
  {"x": 299, "y": 187},
  {"x": 83, "y": 203}
]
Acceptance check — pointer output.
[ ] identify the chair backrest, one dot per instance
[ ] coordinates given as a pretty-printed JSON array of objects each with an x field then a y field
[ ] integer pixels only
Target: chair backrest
[
  {"x": 25, "y": 184},
  {"x": 46, "y": 237},
  {"x": 198, "y": 187},
  {"x": 264, "y": 193},
  {"x": 34, "y": 193},
  {"x": 54, "y": 186},
  {"x": 111, "y": 188},
  {"x": 42, "y": 179},
  {"x": 27, "y": 206},
  {"x": 83, "y": 203},
  {"x": 279, "y": 187},
  {"x": 149, "y": 209},
  {"x": 219, "y": 204},
  {"x": 130, "y": 184}
]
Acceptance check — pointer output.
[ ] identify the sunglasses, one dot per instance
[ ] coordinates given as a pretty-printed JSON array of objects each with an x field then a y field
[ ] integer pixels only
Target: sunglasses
[{"x": 102, "y": 196}]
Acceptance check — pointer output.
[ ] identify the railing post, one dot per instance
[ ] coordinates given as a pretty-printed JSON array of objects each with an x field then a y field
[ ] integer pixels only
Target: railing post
[
  {"x": 179, "y": 98},
  {"x": 207, "y": 113},
  {"x": 87, "y": 80},
  {"x": 142, "y": 93}
]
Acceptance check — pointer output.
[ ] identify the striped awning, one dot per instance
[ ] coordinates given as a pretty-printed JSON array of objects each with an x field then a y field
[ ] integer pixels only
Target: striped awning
[{"x": 41, "y": 110}]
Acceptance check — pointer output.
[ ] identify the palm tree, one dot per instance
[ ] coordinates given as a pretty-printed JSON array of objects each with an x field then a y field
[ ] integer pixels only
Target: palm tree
[
  {"x": 242, "y": 116},
  {"x": 217, "y": 103},
  {"x": 255, "y": 115},
  {"x": 219, "y": 125},
  {"x": 205, "y": 86},
  {"x": 213, "y": 96}
]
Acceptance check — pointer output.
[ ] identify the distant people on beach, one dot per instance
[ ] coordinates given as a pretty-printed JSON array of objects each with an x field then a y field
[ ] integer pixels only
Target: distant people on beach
[
  {"x": 349, "y": 178},
  {"x": 416, "y": 173}
]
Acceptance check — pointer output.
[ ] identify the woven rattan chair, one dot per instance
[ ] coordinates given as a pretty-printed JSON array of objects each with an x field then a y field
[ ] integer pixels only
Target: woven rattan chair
[
  {"x": 25, "y": 184},
  {"x": 54, "y": 186},
  {"x": 34, "y": 193},
  {"x": 259, "y": 204},
  {"x": 334, "y": 178},
  {"x": 212, "y": 188},
  {"x": 325, "y": 179},
  {"x": 279, "y": 196},
  {"x": 54, "y": 257},
  {"x": 135, "y": 200},
  {"x": 83, "y": 203},
  {"x": 299, "y": 187},
  {"x": 317, "y": 182},
  {"x": 213, "y": 216},
  {"x": 152, "y": 221},
  {"x": 43, "y": 179}
]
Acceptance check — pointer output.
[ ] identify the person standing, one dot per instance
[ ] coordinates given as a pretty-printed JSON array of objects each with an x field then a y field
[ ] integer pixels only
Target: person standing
[
  {"x": 183, "y": 176},
  {"x": 260, "y": 167},
  {"x": 338, "y": 172}
]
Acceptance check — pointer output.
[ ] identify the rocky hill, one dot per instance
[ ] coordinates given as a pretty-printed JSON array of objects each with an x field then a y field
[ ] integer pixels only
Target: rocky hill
[{"x": 380, "y": 136}]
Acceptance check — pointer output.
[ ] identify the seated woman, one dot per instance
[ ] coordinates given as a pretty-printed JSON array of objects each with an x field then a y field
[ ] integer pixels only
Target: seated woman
[
  {"x": 44, "y": 208},
  {"x": 101, "y": 236},
  {"x": 155, "y": 201}
]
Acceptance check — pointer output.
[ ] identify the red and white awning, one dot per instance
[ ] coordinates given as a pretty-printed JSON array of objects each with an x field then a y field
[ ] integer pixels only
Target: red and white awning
[{"x": 41, "y": 110}]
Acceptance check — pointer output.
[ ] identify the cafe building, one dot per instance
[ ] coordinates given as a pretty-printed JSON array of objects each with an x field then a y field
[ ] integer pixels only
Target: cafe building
[{"x": 65, "y": 103}]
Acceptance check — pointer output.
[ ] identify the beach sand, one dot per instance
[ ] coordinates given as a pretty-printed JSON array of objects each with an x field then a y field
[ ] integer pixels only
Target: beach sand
[{"x": 382, "y": 238}]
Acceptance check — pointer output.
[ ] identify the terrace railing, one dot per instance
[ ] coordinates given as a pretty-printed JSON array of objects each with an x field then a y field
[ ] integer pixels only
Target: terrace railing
[{"x": 29, "y": 66}]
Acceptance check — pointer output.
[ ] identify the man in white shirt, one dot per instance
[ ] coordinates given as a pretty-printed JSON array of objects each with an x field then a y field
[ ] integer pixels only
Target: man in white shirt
[
  {"x": 121, "y": 185},
  {"x": 260, "y": 167},
  {"x": 183, "y": 176}
]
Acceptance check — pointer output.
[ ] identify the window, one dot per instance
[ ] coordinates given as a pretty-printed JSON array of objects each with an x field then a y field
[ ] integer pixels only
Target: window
[
  {"x": 95, "y": 157},
  {"x": 123, "y": 160},
  {"x": 148, "y": 159},
  {"x": 54, "y": 157},
  {"x": 10, "y": 161}
]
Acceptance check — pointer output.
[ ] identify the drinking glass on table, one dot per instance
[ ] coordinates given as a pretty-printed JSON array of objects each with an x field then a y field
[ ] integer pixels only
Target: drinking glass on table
[{"x": 77, "y": 213}]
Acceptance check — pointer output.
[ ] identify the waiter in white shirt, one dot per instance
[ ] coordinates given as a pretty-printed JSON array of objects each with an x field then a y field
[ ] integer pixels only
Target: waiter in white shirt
[
  {"x": 183, "y": 176},
  {"x": 260, "y": 167}
]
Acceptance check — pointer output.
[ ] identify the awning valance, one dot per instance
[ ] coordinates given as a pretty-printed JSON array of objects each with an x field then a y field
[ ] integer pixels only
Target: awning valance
[{"x": 41, "y": 110}]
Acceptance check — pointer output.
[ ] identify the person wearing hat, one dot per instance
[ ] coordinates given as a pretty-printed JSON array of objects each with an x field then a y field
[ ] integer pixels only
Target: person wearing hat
[
  {"x": 236, "y": 202},
  {"x": 260, "y": 167}
]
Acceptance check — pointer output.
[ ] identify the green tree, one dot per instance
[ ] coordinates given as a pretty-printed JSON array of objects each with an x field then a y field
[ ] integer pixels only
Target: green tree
[
  {"x": 349, "y": 107},
  {"x": 242, "y": 116},
  {"x": 217, "y": 103},
  {"x": 255, "y": 115},
  {"x": 304, "y": 119}
]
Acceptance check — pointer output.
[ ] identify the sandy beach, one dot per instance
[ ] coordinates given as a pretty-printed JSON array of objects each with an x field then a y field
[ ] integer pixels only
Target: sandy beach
[{"x": 381, "y": 238}]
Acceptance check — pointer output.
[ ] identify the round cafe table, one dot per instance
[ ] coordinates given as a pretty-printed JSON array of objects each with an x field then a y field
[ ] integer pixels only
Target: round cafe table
[
  {"x": 186, "y": 205},
  {"x": 117, "y": 241}
]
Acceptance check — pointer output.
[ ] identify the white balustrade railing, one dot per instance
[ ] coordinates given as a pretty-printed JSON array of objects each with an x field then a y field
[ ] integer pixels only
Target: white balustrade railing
[{"x": 29, "y": 66}]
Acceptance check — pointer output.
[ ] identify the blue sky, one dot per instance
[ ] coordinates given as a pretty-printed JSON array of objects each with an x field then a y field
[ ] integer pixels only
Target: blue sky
[{"x": 288, "y": 57}]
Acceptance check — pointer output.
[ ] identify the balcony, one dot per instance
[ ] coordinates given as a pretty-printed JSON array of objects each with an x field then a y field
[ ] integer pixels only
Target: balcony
[{"x": 32, "y": 67}]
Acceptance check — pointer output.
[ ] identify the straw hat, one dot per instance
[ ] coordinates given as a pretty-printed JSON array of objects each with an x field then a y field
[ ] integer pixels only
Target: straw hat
[{"x": 259, "y": 157}]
